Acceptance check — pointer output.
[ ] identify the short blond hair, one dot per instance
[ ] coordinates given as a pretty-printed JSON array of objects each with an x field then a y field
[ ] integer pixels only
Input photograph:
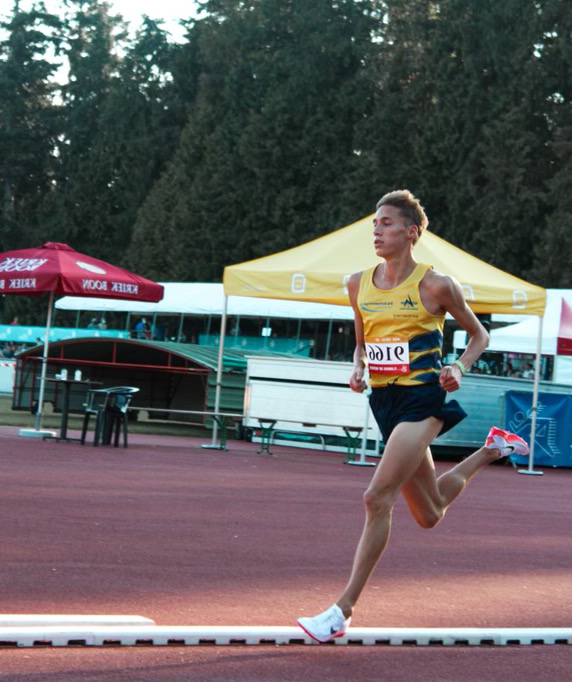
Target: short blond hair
[{"x": 409, "y": 208}]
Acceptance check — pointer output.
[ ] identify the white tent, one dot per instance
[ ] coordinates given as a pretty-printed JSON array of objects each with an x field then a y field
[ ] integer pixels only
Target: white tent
[
  {"x": 522, "y": 337},
  {"x": 200, "y": 298},
  {"x": 205, "y": 298}
]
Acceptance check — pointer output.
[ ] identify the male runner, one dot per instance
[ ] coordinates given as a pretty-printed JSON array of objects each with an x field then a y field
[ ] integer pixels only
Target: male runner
[{"x": 400, "y": 308}]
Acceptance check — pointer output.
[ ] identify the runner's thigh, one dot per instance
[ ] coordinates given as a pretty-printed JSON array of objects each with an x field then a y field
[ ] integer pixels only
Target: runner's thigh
[{"x": 404, "y": 453}]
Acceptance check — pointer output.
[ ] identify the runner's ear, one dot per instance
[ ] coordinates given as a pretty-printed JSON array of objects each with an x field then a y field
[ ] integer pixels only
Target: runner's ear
[{"x": 414, "y": 232}]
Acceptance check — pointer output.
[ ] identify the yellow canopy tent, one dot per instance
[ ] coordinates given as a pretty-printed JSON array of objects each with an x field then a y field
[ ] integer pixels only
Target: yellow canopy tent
[{"x": 318, "y": 271}]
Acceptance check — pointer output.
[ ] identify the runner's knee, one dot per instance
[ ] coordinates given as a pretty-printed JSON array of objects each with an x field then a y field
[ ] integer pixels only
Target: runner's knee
[{"x": 378, "y": 502}]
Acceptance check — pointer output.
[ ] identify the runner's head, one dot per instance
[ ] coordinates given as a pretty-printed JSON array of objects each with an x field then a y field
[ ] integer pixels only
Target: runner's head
[{"x": 409, "y": 207}]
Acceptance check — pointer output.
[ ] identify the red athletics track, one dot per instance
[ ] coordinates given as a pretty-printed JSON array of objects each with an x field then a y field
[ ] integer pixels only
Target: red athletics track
[{"x": 193, "y": 537}]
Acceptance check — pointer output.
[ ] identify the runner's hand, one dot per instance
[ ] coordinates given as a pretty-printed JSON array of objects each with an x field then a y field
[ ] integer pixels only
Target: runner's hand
[
  {"x": 357, "y": 382},
  {"x": 450, "y": 378}
]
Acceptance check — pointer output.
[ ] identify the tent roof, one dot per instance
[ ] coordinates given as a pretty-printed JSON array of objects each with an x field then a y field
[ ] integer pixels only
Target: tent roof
[
  {"x": 522, "y": 337},
  {"x": 234, "y": 359},
  {"x": 318, "y": 271},
  {"x": 207, "y": 356},
  {"x": 199, "y": 298}
]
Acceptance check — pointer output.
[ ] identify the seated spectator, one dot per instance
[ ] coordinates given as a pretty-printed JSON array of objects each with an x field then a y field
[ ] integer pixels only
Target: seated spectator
[
  {"x": 142, "y": 329},
  {"x": 528, "y": 371},
  {"x": 92, "y": 323},
  {"x": 9, "y": 349}
]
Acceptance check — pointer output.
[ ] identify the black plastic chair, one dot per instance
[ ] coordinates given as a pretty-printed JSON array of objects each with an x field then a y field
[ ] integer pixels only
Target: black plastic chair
[
  {"x": 109, "y": 406},
  {"x": 116, "y": 418},
  {"x": 96, "y": 402}
]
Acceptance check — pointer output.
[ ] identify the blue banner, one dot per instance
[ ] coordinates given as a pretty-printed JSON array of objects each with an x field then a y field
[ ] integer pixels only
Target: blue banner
[
  {"x": 553, "y": 432},
  {"x": 24, "y": 334}
]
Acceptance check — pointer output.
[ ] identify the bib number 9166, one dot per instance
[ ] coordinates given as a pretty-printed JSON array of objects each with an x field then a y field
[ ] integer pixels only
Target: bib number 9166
[{"x": 387, "y": 356}]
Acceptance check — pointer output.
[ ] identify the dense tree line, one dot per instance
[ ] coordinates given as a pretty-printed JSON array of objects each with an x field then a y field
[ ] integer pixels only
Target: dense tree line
[{"x": 277, "y": 121}]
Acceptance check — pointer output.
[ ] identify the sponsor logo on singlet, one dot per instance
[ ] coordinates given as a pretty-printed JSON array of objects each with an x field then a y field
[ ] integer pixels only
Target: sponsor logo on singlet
[
  {"x": 409, "y": 304},
  {"x": 376, "y": 306}
]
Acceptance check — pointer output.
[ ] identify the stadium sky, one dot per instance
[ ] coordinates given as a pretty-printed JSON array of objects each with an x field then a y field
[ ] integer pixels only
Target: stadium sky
[
  {"x": 169, "y": 10},
  {"x": 131, "y": 10}
]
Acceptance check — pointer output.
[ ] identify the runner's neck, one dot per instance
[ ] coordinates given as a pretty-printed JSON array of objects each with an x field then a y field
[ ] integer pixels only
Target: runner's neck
[{"x": 394, "y": 271}]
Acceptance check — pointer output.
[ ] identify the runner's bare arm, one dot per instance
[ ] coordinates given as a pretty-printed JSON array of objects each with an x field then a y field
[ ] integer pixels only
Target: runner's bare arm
[
  {"x": 448, "y": 294},
  {"x": 357, "y": 382}
]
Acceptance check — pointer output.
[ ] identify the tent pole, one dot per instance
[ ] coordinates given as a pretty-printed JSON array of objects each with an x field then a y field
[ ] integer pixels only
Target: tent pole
[
  {"x": 266, "y": 326},
  {"x": 179, "y": 333},
  {"x": 213, "y": 445},
  {"x": 361, "y": 461},
  {"x": 377, "y": 443},
  {"x": 236, "y": 330},
  {"x": 39, "y": 410},
  {"x": 530, "y": 469}
]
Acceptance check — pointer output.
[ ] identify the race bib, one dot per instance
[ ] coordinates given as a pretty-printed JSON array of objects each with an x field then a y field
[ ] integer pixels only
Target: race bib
[{"x": 388, "y": 355}]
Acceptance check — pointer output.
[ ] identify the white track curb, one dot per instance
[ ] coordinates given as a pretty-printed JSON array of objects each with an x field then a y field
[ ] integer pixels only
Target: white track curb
[
  {"x": 151, "y": 635},
  {"x": 8, "y": 620}
]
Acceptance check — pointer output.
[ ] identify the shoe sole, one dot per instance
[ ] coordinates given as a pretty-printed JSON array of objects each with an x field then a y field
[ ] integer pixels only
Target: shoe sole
[{"x": 320, "y": 641}]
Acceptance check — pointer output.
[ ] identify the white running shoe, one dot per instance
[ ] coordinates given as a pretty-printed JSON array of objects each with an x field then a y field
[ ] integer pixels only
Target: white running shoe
[
  {"x": 327, "y": 625},
  {"x": 508, "y": 443}
]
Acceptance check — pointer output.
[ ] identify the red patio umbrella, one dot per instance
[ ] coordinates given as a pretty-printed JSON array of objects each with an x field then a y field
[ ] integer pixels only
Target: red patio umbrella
[{"x": 58, "y": 269}]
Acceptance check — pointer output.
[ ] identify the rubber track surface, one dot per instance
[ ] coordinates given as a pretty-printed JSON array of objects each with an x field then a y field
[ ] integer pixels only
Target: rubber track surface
[{"x": 192, "y": 537}]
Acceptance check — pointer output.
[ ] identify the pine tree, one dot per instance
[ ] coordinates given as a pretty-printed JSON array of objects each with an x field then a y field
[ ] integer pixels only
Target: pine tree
[
  {"x": 551, "y": 264},
  {"x": 89, "y": 45},
  {"x": 460, "y": 119},
  {"x": 481, "y": 155},
  {"x": 270, "y": 134},
  {"x": 28, "y": 120},
  {"x": 399, "y": 87}
]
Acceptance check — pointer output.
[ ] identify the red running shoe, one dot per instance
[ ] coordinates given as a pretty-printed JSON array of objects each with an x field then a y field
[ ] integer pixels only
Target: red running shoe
[{"x": 508, "y": 443}]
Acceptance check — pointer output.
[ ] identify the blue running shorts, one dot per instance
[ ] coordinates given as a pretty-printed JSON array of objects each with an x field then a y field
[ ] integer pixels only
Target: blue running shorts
[{"x": 394, "y": 404}]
